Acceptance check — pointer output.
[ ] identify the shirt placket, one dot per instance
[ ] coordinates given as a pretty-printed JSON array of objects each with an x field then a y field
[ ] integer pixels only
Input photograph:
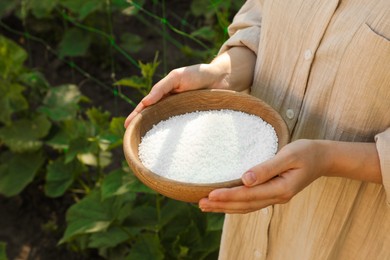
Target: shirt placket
[
  {"x": 291, "y": 109},
  {"x": 293, "y": 57},
  {"x": 265, "y": 214},
  {"x": 292, "y": 100}
]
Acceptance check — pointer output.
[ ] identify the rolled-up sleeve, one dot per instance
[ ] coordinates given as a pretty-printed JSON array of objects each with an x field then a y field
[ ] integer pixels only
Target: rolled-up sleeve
[
  {"x": 245, "y": 28},
  {"x": 383, "y": 146}
]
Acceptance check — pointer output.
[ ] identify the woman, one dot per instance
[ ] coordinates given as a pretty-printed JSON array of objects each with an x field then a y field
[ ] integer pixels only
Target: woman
[{"x": 325, "y": 66}]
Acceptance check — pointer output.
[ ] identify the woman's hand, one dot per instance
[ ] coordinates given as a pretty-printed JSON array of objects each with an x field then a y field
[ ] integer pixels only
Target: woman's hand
[
  {"x": 296, "y": 165},
  {"x": 178, "y": 80},
  {"x": 230, "y": 70}
]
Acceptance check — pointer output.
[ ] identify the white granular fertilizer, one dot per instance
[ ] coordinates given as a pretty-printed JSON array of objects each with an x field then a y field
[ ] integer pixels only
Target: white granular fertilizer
[{"x": 207, "y": 146}]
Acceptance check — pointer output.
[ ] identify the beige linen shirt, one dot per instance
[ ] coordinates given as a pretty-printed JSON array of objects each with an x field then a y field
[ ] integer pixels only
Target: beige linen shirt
[{"x": 325, "y": 66}]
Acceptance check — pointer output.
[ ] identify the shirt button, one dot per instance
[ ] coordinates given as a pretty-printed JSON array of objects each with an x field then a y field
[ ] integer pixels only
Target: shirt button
[
  {"x": 257, "y": 254},
  {"x": 308, "y": 54},
  {"x": 265, "y": 211},
  {"x": 290, "y": 113}
]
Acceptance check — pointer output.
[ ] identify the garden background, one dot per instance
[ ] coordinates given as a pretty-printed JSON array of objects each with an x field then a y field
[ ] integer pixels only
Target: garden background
[{"x": 70, "y": 72}]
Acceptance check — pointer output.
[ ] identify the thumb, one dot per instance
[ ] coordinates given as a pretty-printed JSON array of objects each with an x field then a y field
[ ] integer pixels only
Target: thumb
[{"x": 266, "y": 170}]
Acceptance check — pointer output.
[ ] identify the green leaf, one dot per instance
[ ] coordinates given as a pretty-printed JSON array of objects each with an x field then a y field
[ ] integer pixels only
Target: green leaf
[
  {"x": 78, "y": 146},
  {"x": 75, "y": 128},
  {"x": 3, "y": 251},
  {"x": 148, "y": 69},
  {"x": 202, "y": 7},
  {"x": 215, "y": 221},
  {"x": 61, "y": 103},
  {"x": 34, "y": 79},
  {"x": 82, "y": 8},
  {"x": 142, "y": 84},
  {"x": 98, "y": 117},
  {"x": 41, "y": 8},
  {"x": 17, "y": 171},
  {"x": 116, "y": 183},
  {"x": 113, "y": 137},
  {"x": 186, "y": 232},
  {"x": 138, "y": 187},
  {"x": 205, "y": 32},
  {"x": 89, "y": 150},
  {"x": 134, "y": 82},
  {"x": 68, "y": 131},
  {"x": 130, "y": 42},
  {"x": 199, "y": 219},
  {"x": 142, "y": 217},
  {"x": 75, "y": 42},
  {"x": 105, "y": 141},
  {"x": 147, "y": 246},
  {"x": 103, "y": 159},
  {"x": 89, "y": 7},
  {"x": 175, "y": 219},
  {"x": 86, "y": 216},
  {"x": 24, "y": 135},
  {"x": 84, "y": 226},
  {"x": 6, "y": 7},
  {"x": 110, "y": 238},
  {"x": 11, "y": 100},
  {"x": 134, "y": 7},
  {"x": 120, "y": 3},
  {"x": 59, "y": 140},
  {"x": 116, "y": 126},
  {"x": 60, "y": 176},
  {"x": 92, "y": 215},
  {"x": 190, "y": 235},
  {"x": 183, "y": 227},
  {"x": 174, "y": 210},
  {"x": 208, "y": 245},
  {"x": 12, "y": 57}
]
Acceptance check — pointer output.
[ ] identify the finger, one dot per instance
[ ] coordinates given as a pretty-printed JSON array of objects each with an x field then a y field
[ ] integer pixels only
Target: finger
[
  {"x": 269, "y": 190},
  {"x": 135, "y": 112},
  {"x": 161, "y": 89},
  {"x": 233, "y": 207},
  {"x": 267, "y": 170}
]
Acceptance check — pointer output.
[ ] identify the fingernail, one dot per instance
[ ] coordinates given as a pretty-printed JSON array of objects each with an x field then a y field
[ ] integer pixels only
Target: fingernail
[
  {"x": 201, "y": 205},
  {"x": 203, "y": 209},
  {"x": 249, "y": 178}
]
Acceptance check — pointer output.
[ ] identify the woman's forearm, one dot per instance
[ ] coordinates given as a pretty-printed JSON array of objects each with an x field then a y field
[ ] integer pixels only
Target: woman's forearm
[
  {"x": 358, "y": 161},
  {"x": 235, "y": 69}
]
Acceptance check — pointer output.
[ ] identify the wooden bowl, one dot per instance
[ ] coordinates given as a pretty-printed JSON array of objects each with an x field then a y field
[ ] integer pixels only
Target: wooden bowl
[{"x": 198, "y": 100}]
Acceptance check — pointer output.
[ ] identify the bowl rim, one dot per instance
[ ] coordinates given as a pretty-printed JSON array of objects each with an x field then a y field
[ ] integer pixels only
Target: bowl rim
[{"x": 141, "y": 170}]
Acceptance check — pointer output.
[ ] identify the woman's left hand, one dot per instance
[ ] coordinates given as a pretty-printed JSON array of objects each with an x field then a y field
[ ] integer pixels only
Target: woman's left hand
[{"x": 294, "y": 167}]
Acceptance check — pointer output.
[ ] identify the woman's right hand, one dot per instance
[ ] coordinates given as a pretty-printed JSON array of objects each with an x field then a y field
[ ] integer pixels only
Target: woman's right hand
[
  {"x": 231, "y": 70},
  {"x": 178, "y": 80}
]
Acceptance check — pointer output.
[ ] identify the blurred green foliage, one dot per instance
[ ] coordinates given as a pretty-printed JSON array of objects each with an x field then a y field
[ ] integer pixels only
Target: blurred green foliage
[
  {"x": 3, "y": 255},
  {"x": 56, "y": 136}
]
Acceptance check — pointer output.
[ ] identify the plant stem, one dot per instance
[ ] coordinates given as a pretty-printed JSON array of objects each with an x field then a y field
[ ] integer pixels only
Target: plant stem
[
  {"x": 84, "y": 185},
  {"x": 158, "y": 210}
]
